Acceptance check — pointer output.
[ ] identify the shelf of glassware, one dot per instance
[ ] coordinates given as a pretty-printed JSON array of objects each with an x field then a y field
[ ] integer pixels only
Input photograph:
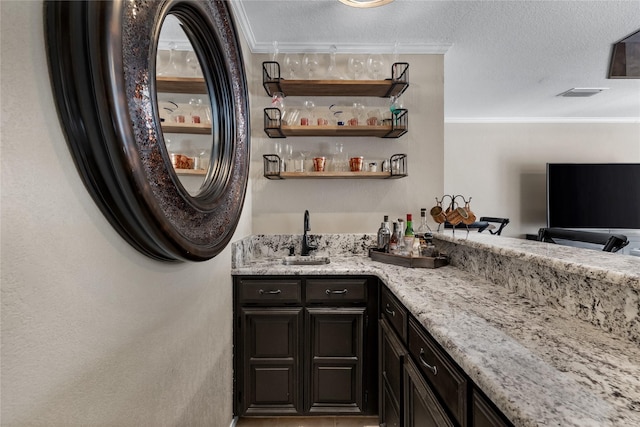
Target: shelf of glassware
[
  {"x": 193, "y": 85},
  {"x": 390, "y": 128},
  {"x": 273, "y": 170},
  {"x": 395, "y": 86}
]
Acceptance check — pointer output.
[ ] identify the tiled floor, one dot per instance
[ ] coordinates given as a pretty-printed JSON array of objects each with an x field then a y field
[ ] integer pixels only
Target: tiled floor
[{"x": 309, "y": 422}]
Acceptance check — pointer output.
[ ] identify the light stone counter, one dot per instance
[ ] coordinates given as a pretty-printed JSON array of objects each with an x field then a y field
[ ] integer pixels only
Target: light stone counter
[{"x": 539, "y": 362}]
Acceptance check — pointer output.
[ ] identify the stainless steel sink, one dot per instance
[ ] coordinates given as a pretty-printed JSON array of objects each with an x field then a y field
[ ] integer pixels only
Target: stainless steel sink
[{"x": 306, "y": 260}]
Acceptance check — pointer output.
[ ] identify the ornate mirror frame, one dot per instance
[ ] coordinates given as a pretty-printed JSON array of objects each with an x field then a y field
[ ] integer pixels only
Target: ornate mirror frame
[{"x": 102, "y": 62}]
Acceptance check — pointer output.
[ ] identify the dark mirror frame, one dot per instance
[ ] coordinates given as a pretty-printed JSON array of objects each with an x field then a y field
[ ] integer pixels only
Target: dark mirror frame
[{"x": 102, "y": 58}]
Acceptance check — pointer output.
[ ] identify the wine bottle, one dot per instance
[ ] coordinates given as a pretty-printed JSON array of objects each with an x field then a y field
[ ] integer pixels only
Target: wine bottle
[{"x": 393, "y": 240}]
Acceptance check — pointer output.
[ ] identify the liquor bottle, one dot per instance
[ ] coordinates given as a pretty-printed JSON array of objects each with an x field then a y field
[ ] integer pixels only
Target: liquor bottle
[
  {"x": 409, "y": 237},
  {"x": 393, "y": 240},
  {"x": 423, "y": 232},
  {"x": 409, "y": 230},
  {"x": 384, "y": 235},
  {"x": 425, "y": 235}
]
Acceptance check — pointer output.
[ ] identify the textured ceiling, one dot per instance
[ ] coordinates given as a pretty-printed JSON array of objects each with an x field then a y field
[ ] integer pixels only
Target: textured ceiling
[{"x": 504, "y": 60}]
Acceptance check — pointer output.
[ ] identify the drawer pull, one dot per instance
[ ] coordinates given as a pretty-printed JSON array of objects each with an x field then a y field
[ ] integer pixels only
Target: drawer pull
[
  {"x": 390, "y": 312},
  {"x": 433, "y": 368},
  {"x": 342, "y": 292},
  {"x": 274, "y": 292}
]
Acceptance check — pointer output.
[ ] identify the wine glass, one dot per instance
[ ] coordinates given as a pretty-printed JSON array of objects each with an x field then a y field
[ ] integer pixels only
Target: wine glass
[
  {"x": 292, "y": 64},
  {"x": 375, "y": 65},
  {"x": 192, "y": 63},
  {"x": 355, "y": 65},
  {"x": 309, "y": 106},
  {"x": 311, "y": 62}
]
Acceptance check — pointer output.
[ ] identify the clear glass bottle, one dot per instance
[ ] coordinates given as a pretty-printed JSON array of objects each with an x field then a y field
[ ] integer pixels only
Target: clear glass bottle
[
  {"x": 423, "y": 232},
  {"x": 384, "y": 235}
]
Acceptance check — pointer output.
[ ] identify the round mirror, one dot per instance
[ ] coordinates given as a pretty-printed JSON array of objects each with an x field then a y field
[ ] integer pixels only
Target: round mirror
[
  {"x": 183, "y": 105},
  {"x": 108, "y": 79}
]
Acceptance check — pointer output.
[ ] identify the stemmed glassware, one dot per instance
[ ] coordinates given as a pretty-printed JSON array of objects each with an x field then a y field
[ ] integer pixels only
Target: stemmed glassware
[
  {"x": 292, "y": 64},
  {"x": 192, "y": 63},
  {"x": 309, "y": 106},
  {"x": 355, "y": 65},
  {"x": 375, "y": 65},
  {"x": 311, "y": 62}
]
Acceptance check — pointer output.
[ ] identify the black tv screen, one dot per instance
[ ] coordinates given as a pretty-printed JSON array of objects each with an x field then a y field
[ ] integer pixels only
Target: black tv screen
[{"x": 593, "y": 195}]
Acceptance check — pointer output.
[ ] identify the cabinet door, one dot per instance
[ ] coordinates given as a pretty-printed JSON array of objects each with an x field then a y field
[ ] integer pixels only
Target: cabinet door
[
  {"x": 335, "y": 366},
  {"x": 421, "y": 408},
  {"x": 484, "y": 414},
  {"x": 392, "y": 355},
  {"x": 271, "y": 361}
]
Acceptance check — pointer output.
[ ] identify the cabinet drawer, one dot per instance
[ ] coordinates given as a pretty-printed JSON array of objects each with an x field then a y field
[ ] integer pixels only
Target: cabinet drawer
[
  {"x": 256, "y": 291},
  {"x": 336, "y": 290},
  {"x": 394, "y": 313},
  {"x": 448, "y": 381}
]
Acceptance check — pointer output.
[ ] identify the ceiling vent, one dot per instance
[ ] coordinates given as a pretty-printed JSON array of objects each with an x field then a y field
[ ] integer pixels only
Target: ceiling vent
[{"x": 582, "y": 92}]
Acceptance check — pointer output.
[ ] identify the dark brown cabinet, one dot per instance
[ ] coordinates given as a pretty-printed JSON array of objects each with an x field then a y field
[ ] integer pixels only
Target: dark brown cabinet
[
  {"x": 420, "y": 385},
  {"x": 484, "y": 413},
  {"x": 421, "y": 408},
  {"x": 305, "y": 345}
]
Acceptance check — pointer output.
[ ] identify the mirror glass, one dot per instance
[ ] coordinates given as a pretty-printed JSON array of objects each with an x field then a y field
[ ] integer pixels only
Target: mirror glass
[{"x": 184, "y": 107}]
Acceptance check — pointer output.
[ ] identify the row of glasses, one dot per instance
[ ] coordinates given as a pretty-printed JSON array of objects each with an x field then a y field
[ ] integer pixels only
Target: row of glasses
[
  {"x": 355, "y": 115},
  {"x": 315, "y": 65},
  {"x": 338, "y": 160},
  {"x": 196, "y": 111}
]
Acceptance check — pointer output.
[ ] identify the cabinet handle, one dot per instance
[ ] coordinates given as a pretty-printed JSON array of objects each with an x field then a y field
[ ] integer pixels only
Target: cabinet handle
[
  {"x": 390, "y": 312},
  {"x": 433, "y": 368},
  {"x": 274, "y": 292},
  {"x": 342, "y": 292}
]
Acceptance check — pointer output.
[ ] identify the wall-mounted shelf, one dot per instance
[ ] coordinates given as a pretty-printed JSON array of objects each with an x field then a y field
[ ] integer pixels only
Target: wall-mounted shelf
[
  {"x": 181, "y": 85},
  {"x": 274, "y": 127},
  {"x": 198, "y": 129},
  {"x": 190, "y": 171},
  {"x": 395, "y": 86},
  {"x": 273, "y": 166}
]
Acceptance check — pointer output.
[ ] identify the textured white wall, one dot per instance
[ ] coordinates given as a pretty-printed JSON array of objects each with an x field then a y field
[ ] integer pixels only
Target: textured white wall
[
  {"x": 503, "y": 166},
  {"x": 93, "y": 333},
  {"x": 355, "y": 206}
]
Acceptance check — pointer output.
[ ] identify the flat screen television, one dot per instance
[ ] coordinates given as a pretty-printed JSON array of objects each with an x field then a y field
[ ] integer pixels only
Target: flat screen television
[{"x": 593, "y": 195}]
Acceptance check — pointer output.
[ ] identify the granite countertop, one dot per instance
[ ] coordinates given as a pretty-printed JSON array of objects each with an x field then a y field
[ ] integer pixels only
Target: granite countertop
[{"x": 538, "y": 364}]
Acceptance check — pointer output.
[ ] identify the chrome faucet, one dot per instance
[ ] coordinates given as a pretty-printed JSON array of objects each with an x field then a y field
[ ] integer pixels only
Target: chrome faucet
[{"x": 306, "y": 247}]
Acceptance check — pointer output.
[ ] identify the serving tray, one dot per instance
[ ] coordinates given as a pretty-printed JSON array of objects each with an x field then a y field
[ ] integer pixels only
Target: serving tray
[{"x": 409, "y": 261}]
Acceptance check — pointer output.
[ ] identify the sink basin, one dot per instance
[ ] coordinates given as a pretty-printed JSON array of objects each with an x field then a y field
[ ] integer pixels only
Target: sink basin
[{"x": 305, "y": 260}]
